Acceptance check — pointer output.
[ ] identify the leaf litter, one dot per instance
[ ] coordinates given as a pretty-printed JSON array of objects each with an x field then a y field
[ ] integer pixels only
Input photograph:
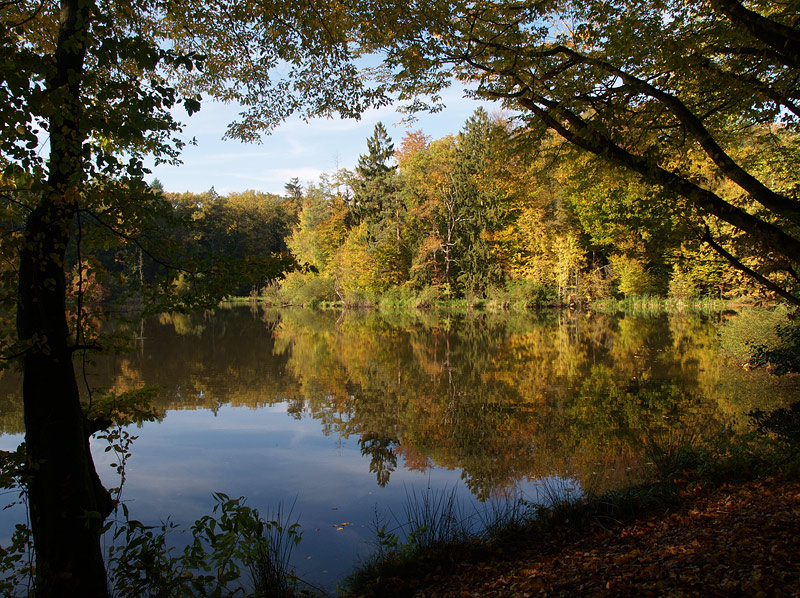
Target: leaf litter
[{"x": 731, "y": 540}]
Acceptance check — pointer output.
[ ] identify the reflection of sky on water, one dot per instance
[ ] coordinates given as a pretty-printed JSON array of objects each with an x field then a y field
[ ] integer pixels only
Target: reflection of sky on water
[
  {"x": 270, "y": 458},
  {"x": 491, "y": 397}
]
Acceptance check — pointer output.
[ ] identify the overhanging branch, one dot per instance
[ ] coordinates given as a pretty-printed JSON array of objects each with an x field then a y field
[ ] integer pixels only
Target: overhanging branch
[{"x": 733, "y": 261}]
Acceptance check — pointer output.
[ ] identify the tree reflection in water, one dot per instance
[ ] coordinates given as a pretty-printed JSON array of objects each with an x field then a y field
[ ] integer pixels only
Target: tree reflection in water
[{"x": 503, "y": 398}]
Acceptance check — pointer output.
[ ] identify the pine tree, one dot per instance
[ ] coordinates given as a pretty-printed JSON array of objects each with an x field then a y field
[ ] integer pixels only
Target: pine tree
[
  {"x": 478, "y": 202},
  {"x": 376, "y": 187}
]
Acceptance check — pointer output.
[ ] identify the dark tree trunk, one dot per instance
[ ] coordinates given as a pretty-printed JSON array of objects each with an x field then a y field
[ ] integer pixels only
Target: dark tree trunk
[{"x": 67, "y": 502}]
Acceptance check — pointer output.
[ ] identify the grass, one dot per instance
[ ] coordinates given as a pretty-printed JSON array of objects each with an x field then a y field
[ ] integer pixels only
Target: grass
[
  {"x": 270, "y": 571},
  {"x": 514, "y": 297},
  {"x": 503, "y": 529},
  {"x": 652, "y": 304},
  {"x": 434, "y": 526},
  {"x": 440, "y": 534}
]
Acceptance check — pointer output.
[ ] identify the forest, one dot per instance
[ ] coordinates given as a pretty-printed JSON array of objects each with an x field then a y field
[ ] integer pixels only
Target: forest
[
  {"x": 480, "y": 214},
  {"x": 640, "y": 147}
]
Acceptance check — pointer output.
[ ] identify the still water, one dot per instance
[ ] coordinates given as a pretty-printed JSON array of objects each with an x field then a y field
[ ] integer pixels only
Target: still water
[{"x": 343, "y": 415}]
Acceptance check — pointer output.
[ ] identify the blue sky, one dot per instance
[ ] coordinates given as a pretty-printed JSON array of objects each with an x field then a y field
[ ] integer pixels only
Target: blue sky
[{"x": 295, "y": 149}]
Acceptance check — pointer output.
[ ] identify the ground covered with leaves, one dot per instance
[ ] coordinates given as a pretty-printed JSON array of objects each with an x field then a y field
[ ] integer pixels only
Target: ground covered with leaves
[{"x": 731, "y": 540}]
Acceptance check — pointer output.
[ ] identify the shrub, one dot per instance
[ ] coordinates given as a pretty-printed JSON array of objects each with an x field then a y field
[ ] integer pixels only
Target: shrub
[
  {"x": 751, "y": 329},
  {"x": 633, "y": 277},
  {"x": 398, "y": 296},
  {"x": 784, "y": 423},
  {"x": 358, "y": 298},
  {"x": 308, "y": 288},
  {"x": 428, "y": 296},
  {"x": 522, "y": 294},
  {"x": 271, "y": 294},
  {"x": 783, "y": 355}
]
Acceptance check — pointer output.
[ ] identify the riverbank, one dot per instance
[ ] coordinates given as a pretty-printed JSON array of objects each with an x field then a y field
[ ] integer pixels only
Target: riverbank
[
  {"x": 506, "y": 303},
  {"x": 730, "y": 539}
]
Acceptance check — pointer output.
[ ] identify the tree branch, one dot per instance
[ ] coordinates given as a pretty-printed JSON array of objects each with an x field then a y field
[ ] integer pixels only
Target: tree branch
[
  {"x": 589, "y": 138},
  {"x": 775, "y": 202},
  {"x": 777, "y": 289},
  {"x": 135, "y": 241},
  {"x": 783, "y": 39}
]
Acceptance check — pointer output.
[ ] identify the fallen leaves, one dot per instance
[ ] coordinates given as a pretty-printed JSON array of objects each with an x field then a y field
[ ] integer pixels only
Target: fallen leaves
[{"x": 736, "y": 540}]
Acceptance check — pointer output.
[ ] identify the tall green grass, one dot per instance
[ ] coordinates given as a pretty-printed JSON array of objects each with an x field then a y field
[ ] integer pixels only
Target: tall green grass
[{"x": 653, "y": 304}]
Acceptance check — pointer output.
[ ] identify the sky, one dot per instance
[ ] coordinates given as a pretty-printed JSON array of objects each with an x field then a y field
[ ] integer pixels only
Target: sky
[{"x": 295, "y": 149}]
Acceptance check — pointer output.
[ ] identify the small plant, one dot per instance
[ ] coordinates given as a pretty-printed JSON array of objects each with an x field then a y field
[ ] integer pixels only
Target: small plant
[
  {"x": 784, "y": 423},
  {"x": 16, "y": 560},
  {"x": 270, "y": 571},
  {"x": 233, "y": 539},
  {"x": 387, "y": 542},
  {"x": 433, "y": 518},
  {"x": 16, "y": 563},
  {"x": 669, "y": 450},
  {"x": 429, "y": 518},
  {"x": 503, "y": 515}
]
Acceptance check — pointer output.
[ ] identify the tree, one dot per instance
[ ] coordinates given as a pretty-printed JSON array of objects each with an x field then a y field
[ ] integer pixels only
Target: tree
[
  {"x": 294, "y": 190},
  {"x": 426, "y": 176},
  {"x": 377, "y": 206},
  {"x": 100, "y": 81},
  {"x": 375, "y": 188},
  {"x": 456, "y": 201},
  {"x": 321, "y": 227},
  {"x": 654, "y": 87},
  {"x": 475, "y": 188}
]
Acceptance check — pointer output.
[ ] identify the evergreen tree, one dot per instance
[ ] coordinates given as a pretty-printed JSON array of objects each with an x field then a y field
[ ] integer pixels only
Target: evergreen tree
[
  {"x": 478, "y": 200},
  {"x": 294, "y": 190},
  {"x": 376, "y": 178},
  {"x": 377, "y": 204}
]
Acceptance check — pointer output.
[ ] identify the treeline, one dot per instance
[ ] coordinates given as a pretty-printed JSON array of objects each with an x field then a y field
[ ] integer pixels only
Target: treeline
[
  {"x": 486, "y": 214},
  {"x": 189, "y": 250},
  {"x": 481, "y": 215}
]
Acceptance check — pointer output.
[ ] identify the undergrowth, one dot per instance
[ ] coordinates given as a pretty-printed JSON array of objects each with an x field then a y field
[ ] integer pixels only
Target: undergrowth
[{"x": 435, "y": 541}]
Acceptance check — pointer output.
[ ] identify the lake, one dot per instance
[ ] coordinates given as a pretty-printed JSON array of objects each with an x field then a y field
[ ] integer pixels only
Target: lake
[{"x": 343, "y": 415}]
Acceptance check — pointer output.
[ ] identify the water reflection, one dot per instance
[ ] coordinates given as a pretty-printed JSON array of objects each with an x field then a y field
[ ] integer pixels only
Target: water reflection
[
  {"x": 501, "y": 398},
  {"x": 346, "y": 411}
]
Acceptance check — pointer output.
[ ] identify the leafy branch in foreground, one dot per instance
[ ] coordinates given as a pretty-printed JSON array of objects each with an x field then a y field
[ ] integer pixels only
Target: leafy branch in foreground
[{"x": 637, "y": 84}]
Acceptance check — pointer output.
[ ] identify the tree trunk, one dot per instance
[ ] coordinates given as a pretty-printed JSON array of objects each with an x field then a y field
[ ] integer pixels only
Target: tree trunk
[{"x": 67, "y": 501}]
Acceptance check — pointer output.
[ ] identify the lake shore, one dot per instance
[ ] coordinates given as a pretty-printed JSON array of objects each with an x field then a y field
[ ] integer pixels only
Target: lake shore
[{"x": 724, "y": 539}]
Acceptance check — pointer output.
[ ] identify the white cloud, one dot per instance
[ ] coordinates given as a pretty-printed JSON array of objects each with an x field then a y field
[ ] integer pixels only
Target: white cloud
[{"x": 294, "y": 149}]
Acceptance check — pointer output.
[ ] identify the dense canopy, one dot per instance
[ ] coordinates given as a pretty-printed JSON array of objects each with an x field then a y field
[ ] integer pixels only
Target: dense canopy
[{"x": 664, "y": 89}]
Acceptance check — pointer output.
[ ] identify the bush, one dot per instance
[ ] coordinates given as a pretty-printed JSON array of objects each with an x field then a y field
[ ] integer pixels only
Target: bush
[
  {"x": 428, "y": 296},
  {"x": 682, "y": 284},
  {"x": 271, "y": 294},
  {"x": 755, "y": 328},
  {"x": 308, "y": 288},
  {"x": 632, "y": 275},
  {"x": 234, "y": 539},
  {"x": 358, "y": 298},
  {"x": 783, "y": 355},
  {"x": 784, "y": 423},
  {"x": 398, "y": 296},
  {"x": 522, "y": 294}
]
